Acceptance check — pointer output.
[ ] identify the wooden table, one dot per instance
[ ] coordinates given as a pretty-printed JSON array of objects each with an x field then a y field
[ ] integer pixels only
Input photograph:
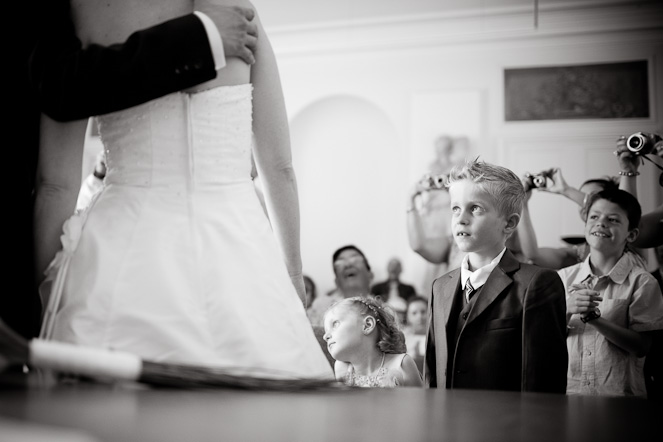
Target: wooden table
[{"x": 100, "y": 412}]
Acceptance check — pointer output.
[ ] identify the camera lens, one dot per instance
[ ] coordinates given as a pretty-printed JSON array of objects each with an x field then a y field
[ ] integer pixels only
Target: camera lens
[
  {"x": 539, "y": 181},
  {"x": 635, "y": 142}
]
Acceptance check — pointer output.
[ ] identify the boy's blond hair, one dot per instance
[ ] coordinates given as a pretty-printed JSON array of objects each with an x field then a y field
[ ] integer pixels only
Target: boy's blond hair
[{"x": 500, "y": 183}]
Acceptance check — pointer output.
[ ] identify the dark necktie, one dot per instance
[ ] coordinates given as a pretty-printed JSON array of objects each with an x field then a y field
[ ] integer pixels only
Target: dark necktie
[{"x": 469, "y": 290}]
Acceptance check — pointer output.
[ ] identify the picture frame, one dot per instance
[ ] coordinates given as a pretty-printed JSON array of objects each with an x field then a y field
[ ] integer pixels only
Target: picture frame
[{"x": 590, "y": 91}]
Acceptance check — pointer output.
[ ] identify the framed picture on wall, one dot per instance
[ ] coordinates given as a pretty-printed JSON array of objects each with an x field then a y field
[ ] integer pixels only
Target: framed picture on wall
[{"x": 592, "y": 91}]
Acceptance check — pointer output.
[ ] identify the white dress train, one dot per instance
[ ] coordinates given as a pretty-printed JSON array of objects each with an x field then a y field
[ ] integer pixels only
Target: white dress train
[{"x": 175, "y": 260}]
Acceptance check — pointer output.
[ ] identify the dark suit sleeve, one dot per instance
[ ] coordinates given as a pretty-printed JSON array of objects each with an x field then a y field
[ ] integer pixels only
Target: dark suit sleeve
[
  {"x": 72, "y": 82},
  {"x": 545, "y": 356},
  {"x": 430, "y": 363}
]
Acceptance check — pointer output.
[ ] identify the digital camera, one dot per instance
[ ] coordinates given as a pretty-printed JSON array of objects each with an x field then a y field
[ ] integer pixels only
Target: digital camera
[
  {"x": 537, "y": 180},
  {"x": 642, "y": 143},
  {"x": 433, "y": 182}
]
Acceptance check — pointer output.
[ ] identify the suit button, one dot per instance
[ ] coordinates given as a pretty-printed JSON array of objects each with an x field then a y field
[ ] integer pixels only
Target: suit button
[
  {"x": 465, "y": 316},
  {"x": 177, "y": 71}
]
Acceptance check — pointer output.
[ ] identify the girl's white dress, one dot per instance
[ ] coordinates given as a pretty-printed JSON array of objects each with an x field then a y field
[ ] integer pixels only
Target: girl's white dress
[{"x": 175, "y": 259}]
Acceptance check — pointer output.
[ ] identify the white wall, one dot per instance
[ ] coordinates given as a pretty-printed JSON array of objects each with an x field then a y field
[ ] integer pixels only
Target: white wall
[
  {"x": 357, "y": 98},
  {"x": 335, "y": 141}
]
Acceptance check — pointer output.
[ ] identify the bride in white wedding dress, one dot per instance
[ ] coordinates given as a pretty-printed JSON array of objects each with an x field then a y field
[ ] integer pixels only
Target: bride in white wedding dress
[{"x": 175, "y": 259}]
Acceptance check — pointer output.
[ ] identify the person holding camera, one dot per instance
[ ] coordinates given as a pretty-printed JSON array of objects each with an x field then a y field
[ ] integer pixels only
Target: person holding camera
[
  {"x": 552, "y": 181},
  {"x": 428, "y": 212},
  {"x": 429, "y": 231},
  {"x": 429, "y": 234},
  {"x": 630, "y": 153}
]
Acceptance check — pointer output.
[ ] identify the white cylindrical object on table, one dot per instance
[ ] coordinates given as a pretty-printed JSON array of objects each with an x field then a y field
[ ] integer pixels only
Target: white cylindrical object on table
[{"x": 69, "y": 358}]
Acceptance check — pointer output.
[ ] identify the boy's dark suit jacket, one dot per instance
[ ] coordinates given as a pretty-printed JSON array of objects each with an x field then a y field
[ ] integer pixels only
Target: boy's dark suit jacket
[
  {"x": 48, "y": 70},
  {"x": 514, "y": 337}
]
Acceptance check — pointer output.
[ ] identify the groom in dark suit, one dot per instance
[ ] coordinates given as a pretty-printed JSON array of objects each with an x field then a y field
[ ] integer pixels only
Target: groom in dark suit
[{"x": 50, "y": 72}]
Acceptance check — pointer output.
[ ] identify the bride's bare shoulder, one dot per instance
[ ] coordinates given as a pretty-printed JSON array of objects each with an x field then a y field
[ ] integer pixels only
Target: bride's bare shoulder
[{"x": 112, "y": 21}]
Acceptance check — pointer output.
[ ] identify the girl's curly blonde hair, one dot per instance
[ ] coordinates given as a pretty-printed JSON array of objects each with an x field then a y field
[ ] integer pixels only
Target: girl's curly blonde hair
[{"x": 390, "y": 337}]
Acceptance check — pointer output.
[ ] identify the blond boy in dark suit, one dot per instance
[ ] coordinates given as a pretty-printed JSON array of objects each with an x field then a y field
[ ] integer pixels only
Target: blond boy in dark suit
[{"x": 495, "y": 323}]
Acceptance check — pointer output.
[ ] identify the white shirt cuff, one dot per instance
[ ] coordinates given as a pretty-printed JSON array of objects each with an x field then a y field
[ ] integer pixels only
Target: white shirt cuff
[{"x": 214, "y": 40}]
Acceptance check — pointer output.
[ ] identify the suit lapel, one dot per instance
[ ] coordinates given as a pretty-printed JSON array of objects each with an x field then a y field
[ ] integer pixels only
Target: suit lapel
[
  {"x": 450, "y": 286},
  {"x": 441, "y": 299},
  {"x": 497, "y": 282}
]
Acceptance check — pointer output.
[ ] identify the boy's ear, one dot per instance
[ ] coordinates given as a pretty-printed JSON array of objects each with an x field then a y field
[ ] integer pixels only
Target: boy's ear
[
  {"x": 511, "y": 223},
  {"x": 632, "y": 235},
  {"x": 369, "y": 324}
]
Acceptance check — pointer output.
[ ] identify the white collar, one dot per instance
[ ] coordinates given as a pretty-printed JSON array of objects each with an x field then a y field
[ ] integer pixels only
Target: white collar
[
  {"x": 617, "y": 274},
  {"x": 479, "y": 276}
]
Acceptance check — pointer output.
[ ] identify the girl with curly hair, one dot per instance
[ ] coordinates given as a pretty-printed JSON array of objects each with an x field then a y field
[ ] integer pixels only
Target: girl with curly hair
[{"x": 362, "y": 334}]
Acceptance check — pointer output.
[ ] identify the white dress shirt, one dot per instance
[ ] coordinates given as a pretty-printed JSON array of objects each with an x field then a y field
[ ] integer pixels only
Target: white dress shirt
[
  {"x": 215, "y": 41},
  {"x": 479, "y": 276}
]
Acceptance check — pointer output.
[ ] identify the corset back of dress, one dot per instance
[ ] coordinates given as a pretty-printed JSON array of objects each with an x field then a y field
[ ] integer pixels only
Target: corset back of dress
[{"x": 181, "y": 141}]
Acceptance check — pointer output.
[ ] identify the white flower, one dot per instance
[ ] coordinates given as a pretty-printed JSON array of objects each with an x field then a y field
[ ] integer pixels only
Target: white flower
[
  {"x": 71, "y": 235},
  {"x": 72, "y": 232}
]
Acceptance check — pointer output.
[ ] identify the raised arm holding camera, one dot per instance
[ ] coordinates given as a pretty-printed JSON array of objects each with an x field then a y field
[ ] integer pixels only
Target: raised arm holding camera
[
  {"x": 552, "y": 181},
  {"x": 631, "y": 153},
  {"x": 429, "y": 234}
]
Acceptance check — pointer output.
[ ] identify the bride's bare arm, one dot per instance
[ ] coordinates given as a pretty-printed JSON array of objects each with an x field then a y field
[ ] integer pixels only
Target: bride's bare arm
[
  {"x": 274, "y": 158},
  {"x": 57, "y": 185}
]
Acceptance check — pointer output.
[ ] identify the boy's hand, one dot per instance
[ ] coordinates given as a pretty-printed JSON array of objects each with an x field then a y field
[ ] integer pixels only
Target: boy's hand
[{"x": 582, "y": 300}]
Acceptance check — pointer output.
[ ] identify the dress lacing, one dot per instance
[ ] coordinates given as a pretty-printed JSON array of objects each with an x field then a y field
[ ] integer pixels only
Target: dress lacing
[{"x": 379, "y": 379}]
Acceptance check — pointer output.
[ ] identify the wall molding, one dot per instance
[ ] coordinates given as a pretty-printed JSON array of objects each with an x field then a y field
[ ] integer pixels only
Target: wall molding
[{"x": 472, "y": 26}]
